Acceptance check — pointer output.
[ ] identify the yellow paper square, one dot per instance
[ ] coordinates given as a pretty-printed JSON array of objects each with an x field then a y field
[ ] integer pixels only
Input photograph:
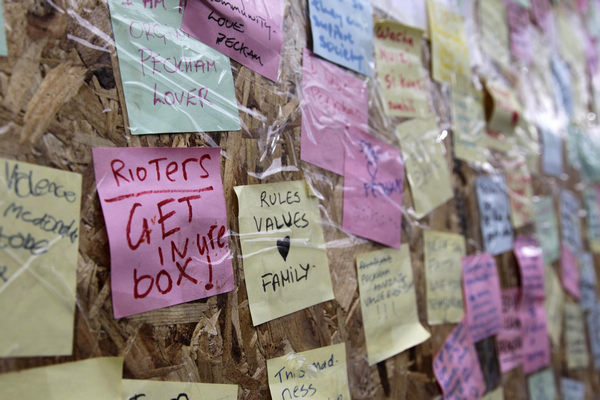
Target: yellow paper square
[
  {"x": 497, "y": 394},
  {"x": 272, "y": 217},
  {"x": 144, "y": 389},
  {"x": 443, "y": 272},
  {"x": 576, "y": 342},
  {"x": 316, "y": 374},
  {"x": 425, "y": 164},
  {"x": 93, "y": 379},
  {"x": 388, "y": 303},
  {"x": 494, "y": 31},
  {"x": 468, "y": 123},
  {"x": 554, "y": 304},
  {"x": 39, "y": 238}
]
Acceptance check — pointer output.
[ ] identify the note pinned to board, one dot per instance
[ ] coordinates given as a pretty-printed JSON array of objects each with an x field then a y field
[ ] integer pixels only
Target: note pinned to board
[
  {"x": 93, "y": 379},
  {"x": 165, "y": 215},
  {"x": 285, "y": 260},
  {"x": 468, "y": 124},
  {"x": 593, "y": 325},
  {"x": 410, "y": 13},
  {"x": 536, "y": 343},
  {"x": 494, "y": 31},
  {"x": 546, "y": 228},
  {"x": 592, "y": 206},
  {"x": 388, "y": 303},
  {"x": 134, "y": 389},
  {"x": 542, "y": 386},
  {"x": 3, "y": 46},
  {"x": 443, "y": 272},
  {"x": 575, "y": 338},
  {"x": 171, "y": 82},
  {"x": 570, "y": 223},
  {"x": 373, "y": 183},
  {"x": 482, "y": 296},
  {"x": 531, "y": 265},
  {"x": 494, "y": 209},
  {"x": 39, "y": 239},
  {"x": 587, "y": 281},
  {"x": 506, "y": 108},
  {"x": 509, "y": 341},
  {"x": 335, "y": 106},
  {"x": 554, "y": 304},
  {"x": 520, "y": 31},
  {"x": 342, "y": 32},
  {"x": 425, "y": 163},
  {"x": 450, "y": 46},
  {"x": 520, "y": 191},
  {"x": 456, "y": 366},
  {"x": 402, "y": 80},
  {"x": 552, "y": 153},
  {"x": 569, "y": 267},
  {"x": 572, "y": 389},
  {"x": 320, "y": 374},
  {"x": 251, "y": 33}
]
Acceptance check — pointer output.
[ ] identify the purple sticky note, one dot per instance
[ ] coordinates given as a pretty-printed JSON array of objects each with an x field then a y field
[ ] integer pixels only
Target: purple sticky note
[
  {"x": 164, "y": 210},
  {"x": 509, "y": 339},
  {"x": 531, "y": 264},
  {"x": 482, "y": 295},
  {"x": 569, "y": 271},
  {"x": 334, "y": 107},
  {"x": 456, "y": 366},
  {"x": 536, "y": 342},
  {"x": 250, "y": 32},
  {"x": 373, "y": 181}
]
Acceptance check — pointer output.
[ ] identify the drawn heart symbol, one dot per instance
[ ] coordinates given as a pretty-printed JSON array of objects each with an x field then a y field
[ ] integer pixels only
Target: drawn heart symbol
[{"x": 284, "y": 247}]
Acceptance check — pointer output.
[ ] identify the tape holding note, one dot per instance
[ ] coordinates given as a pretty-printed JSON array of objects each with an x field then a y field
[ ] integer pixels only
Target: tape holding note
[
  {"x": 388, "y": 303},
  {"x": 134, "y": 389},
  {"x": 509, "y": 341},
  {"x": 493, "y": 203},
  {"x": 285, "y": 260},
  {"x": 251, "y": 33},
  {"x": 576, "y": 343},
  {"x": 164, "y": 210},
  {"x": 320, "y": 374},
  {"x": 171, "y": 82},
  {"x": 546, "y": 228},
  {"x": 542, "y": 385},
  {"x": 39, "y": 239}
]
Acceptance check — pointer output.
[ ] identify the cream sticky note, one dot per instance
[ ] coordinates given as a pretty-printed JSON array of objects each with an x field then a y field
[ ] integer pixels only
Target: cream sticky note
[
  {"x": 443, "y": 272},
  {"x": 388, "y": 303},
  {"x": 318, "y": 374},
  {"x": 497, "y": 394},
  {"x": 554, "y": 304},
  {"x": 575, "y": 338},
  {"x": 93, "y": 379},
  {"x": 542, "y": 385},
  {"x": 400, "y": 73},
  {"x": 159, "y": 390},
  {"x": 285, "y": 260},
  {"x": 39, "y": 239},
  {"x": 494, "y": 31},
  {"x": 468, "y": 123},
  {"x": 520, "y": 190},
  {"x": 425, "y": 164},
  {"x": 506, "y": 108}
]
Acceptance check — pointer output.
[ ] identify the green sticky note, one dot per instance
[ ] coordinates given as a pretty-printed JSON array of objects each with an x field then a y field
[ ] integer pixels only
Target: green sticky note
[
  {"x": 171, "y": 81},
  {"x": 3, "y": 48},
  {"x": 546, "y": 228}
]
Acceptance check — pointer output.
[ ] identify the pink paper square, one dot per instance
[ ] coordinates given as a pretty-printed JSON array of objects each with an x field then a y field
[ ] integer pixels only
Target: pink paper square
[
  {"x": 373, "y": 181},
  {"x": 509, "y": 339},
  {"x": 536, "y": 342},
  {"x": 250, "y": 32},
  {"x": 334, "y": 107},
  {"x": 482, "y": 296},
  {"x": 164, "y": 210},
  {"x": 569, "y": 271}
]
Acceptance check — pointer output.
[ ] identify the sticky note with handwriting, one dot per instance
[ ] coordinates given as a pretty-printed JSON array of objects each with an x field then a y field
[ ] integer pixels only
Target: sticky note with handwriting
[
  {"x": 570, "y": 222},
  {"x": 520, "y": 190},
  {"x": 593, "y": 325},
  {"x": 39, "y": 239},
  {"x": 426, "y": 167},
  {"x": 541, "y": 385},
  {"x": 592, "y": 206},
  {"x": 546, "y": 228},
  {"x": 509, "y": 340},
  {"x": 531, "y": 265},
  {"x": 468, "y": 123},
  {"x": 554, "y": 304},
  {"x": 92, "y": 379},
  {"x": 536, "y": 343},
  {"x": 164, "y": 210},
  {"x": 552, "y": 153},
  {"x": 443, "y": 272},
  {"x": 402, "y": 80},
  {"x": 587, "y": 274},
  {"x": 285, "y": 260},
  {"x": 320, "y": 374},
  {"x": 388, "y": 303},
  {"x": 171, "y": 82},
  {"x": 456, "y": 366},
  {"x": 569, "y": 271},
  {"x": 494, "y": 31},
  {"x": 493, "y": 203},
  {"x": 335, "y": 105},
  {"x": 373, "y": 182},
  {"x": 134, "y": 389},
  {"x": 575, "y": 338},
  {"x": 520, "y": 31},
  {"x": 482, "y": 296},
  {"x": 572, "y": 389},
  {"x": 250, "y": 32},
  {"x": 342, "y": 32}
]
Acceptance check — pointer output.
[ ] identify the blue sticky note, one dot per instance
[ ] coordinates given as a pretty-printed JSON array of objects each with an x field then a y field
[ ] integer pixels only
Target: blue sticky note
[
  {"x": 587, "y": 275},
  {"x": 342, "y": 32},
  {"x": 552, "y": 157},
  {"x": 3, "y": 48},
  {"x": 572, "y": 389},
  {"x": 494, "y": 209}
]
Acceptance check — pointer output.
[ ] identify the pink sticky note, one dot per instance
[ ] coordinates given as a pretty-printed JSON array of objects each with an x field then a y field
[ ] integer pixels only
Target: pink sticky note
[
  {"x": 531, "y": 263},
  {"x": 373, "y": 181},
  {"x": 334, "y": 106},
  {"x": 536, "y": 342},
  {"x": 164, "y": 210},
  {"x": 250, "y": 32},
  {"x": 456, "y": 366},
  {"x": 509, "y": 338},
  {"x": 482, "y": 295},
  {"x": 569, "y": 271}
]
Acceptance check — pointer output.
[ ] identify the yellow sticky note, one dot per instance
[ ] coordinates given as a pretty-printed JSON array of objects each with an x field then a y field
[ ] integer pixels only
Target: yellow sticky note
[
  {"x": 158, "y": 390},
  {"x": 399, "y": 70},
  {"x": 315, "y": 374},
  {"x": 554, "y": 304},
  {"x": 449, "y": 44},
  {"x": 506, "y": 109},
  {"x": 425, "y": 164},
  {"x": 520, "y": 190},
  {"x": 576, "y": 342},
  {"x": 93, "y": 379},
  {"x": 494, "y": 31},
  {"x": 443, "y": 271},
  {"x": 39, "y": 238},
  {"x": 497, "y": 394},
  {"x": 285, "y": 261},
  {"x": 388, "y": 303},
  {"x": 468, "y": 123}
]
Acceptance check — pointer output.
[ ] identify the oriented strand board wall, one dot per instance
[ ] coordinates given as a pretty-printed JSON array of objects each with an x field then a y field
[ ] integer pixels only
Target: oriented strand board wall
[{"x": 61, "y": 96}]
